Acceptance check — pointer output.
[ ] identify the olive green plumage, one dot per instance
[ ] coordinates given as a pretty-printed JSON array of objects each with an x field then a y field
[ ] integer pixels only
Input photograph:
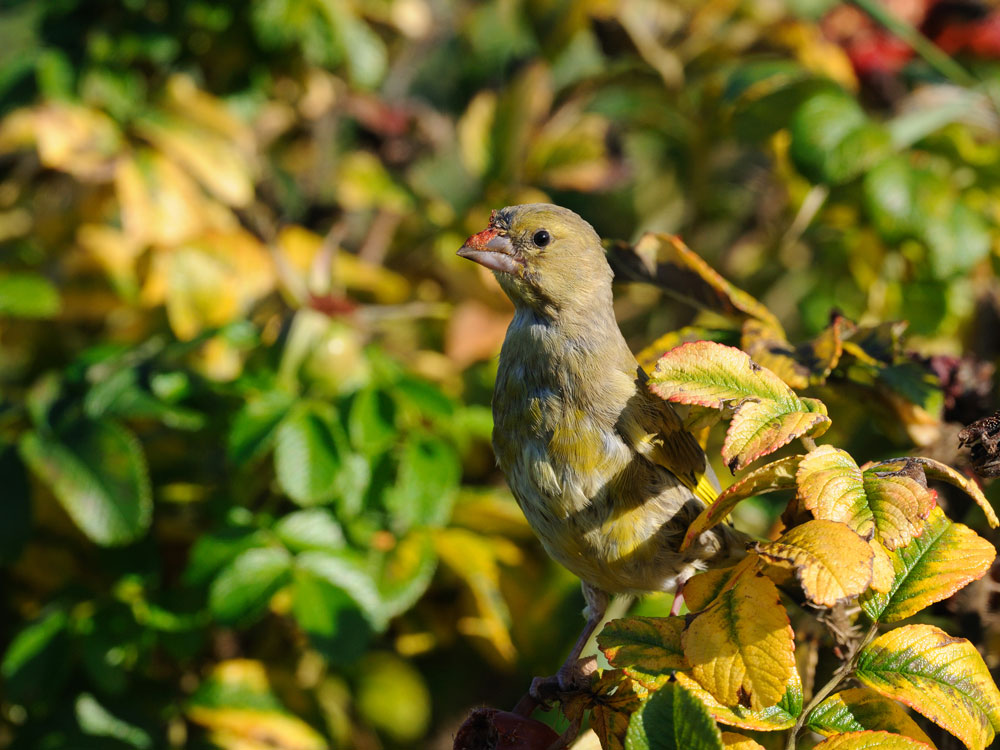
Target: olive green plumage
[{"x": 604, "y": 471}]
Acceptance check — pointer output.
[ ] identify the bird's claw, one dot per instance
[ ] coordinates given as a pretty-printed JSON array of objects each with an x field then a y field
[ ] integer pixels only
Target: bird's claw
[{"x": 571, "y": 678}]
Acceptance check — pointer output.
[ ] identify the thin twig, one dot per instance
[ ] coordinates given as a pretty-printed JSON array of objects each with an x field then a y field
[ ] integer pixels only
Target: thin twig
[{"x": 842, "y": 673}]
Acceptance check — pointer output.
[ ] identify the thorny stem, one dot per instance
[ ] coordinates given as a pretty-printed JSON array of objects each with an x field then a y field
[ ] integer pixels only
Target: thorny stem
[{"x": 842, "y": 673}]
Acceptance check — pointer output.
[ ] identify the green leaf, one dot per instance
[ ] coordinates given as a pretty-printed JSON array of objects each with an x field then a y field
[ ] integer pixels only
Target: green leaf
[
  {"x": 28, "y": 295},
  {"x": 426, "y": 484},
  {"x": 95, "y": 719},
  {"x": 312, "y": 528},
  {"x": 307, "y": 457},
  {"x": 942, "y": 677},
  {"x": 832, "y": 139},
  {"x": 97, "y": 471},
  {"x": 335, "y": 624},
  {"x": 944, "y": 558},
  {"x": 371, "y": 421},
  {"x": 771, "y": 719},
  {"x": 347, "y": 571},
  {"x": 252, "y": 432},
  {"x": 37, "y": 660},
  {"x": 242, "y": 590},
  {"x": 889, "y": 194},
  {"x": 872, "y": 740},
  {"x": 213, "y": 551},
  {"x": 673, "y": 719},
  {"x": 406, "y": 573}
]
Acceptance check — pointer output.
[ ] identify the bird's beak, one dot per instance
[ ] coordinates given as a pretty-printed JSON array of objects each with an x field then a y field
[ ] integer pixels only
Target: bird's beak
[{"x": 491, "y": 249}]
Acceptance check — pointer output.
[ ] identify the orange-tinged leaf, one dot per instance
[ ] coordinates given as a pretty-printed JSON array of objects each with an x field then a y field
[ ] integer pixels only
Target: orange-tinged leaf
[
  {"x": 890, "y": 506},
  {"x": 705, "y": 373},
  {"x": 941, "y": 677},
  {"x": 761, "y": 427},
  {"x": 770, "y": 719},
  {"x": 859, "y": 709},
  {"x": 772, "y": 477},
  {"x": 943, "y": 472},
  {"x": 871, "y": 740},
  {"x": 831, "y": 561},
  {"x": 614, "y": 699},
  {"x": 944, "y": 558},
  {"x": 734, "y": 741},
  {"x": 832, "y": 487},
  {"x": 644, "y": 647},
  {"x": 741, "y": 648},
  {"x": 664, "y": 260}
]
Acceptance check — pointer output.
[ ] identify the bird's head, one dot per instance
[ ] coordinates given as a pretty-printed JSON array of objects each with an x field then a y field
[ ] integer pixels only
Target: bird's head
[{"x": 545, "y": 257}]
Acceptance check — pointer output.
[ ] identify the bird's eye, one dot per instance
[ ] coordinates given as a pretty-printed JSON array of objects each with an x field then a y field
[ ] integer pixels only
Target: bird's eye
[{"x": 541, "y": 238}]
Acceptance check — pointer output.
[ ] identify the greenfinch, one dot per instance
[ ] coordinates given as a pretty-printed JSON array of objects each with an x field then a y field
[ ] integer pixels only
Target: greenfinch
[{"x": 604, "y": 471}]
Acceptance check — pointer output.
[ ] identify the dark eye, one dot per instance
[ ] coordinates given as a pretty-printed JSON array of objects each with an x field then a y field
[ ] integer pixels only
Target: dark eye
[{"x": 541, "y": 238}]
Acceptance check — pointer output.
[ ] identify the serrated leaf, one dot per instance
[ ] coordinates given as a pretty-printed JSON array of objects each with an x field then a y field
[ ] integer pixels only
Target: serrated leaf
[
  {"x": 645, "y": 648},
  {"x": 734, "y": 741},
  {"x": 772, "y": 719},
  {"x": 831, "y": 561},
  {"x": 242, "y": 590},
  {"x": 941, "y": 677},
  {"x": 97, "y": 471},
  {"x": 348, "y": 572},
  {"x": 426, "y": 484},
  {"x": 701, "y": 589},
  {"x": 252, "y": 432},
  {"x": 307, "y": 458},
  {"x": 759, "y": 428},
  {"x": 944, "y": 558},
  {"x": 741, "y": 649},
  {"x": 312, "y": 528},
  {"x": 872, "y": 740},
  {"x": 944, "y": 473},
  {"x": 672, "y": 719},
  {"x": 859, "y": 709},
  {"x": 28, "y": 295},
  {"x": 772, "y": 477},
  {"x": 704, "y": 373},
  {"x": 889, "y": 506}
]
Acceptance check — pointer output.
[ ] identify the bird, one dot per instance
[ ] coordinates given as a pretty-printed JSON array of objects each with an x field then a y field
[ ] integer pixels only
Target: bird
[{"x": 604, "y": 471}]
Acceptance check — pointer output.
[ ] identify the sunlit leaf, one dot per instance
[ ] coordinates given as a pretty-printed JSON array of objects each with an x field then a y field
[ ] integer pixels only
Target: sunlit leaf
[
  {"x": 942, "y": 677},
  {"x": 741, "y": 648},
  {"x": 944, "y": 558},
  {"x": 768, "y": 347},
  {"x": 644, "y": 647},
  {"x": 426, "y": 483},
  {"x": 345, "y": 570},
  {"x": 94, "y": 719},
  {"x": 832, "y": 562},
  {"x": 97, "y": 471},
  {"x": 859, "y": 709},
  {"x": 672, "y": 719},
  {"x": 312, "y": 528},
  {"x": 734, "y": 741},
  {"x": 772, "y": 477},
  {"x": 308, "y": 459},
  {"x": 872, "y": 740},
  {"x": 761, "y": 427},
  {"x": 770, "y": 719}
]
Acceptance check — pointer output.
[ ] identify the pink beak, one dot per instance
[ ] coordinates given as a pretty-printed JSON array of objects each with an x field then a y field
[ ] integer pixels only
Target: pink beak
[{"x": 491, "y": 249}]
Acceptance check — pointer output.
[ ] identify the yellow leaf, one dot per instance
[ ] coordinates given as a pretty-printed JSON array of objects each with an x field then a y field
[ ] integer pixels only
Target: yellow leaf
[
  {"x": 474, "y": 560},
  {"x": 741, "y": 648},
  {"x": 882, "y": 571},
  {"x": 944, "y": 558},
  {"x": 777, "y": 475},
  {"x": 364, "y": 183},
  {"x": 768, "y": 346},
  {"x": 759, "y": 428},
  {"x": 115, "y": 251},
  {"x": 832, "y": 562},
  {"x": 474, "y": 138},
  {"x": 733, "y": 741},
  {"x": 771, "y": 719},
  {"x": 871, "y": 741},
  {"x": 858, "y": 709},
  {"x": 941, "y": 677},
  {"x": 256, "y": 729}
]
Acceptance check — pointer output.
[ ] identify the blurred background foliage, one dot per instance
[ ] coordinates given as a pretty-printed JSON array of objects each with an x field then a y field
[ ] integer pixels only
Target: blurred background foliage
[{"x": 247, "y": 498}]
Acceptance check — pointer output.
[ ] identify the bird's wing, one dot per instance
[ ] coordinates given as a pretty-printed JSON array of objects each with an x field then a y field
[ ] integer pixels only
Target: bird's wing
[{"x": 654, "y": 430}]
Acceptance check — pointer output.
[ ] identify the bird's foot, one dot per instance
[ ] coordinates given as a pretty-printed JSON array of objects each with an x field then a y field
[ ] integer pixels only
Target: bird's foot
[{"x": 572, "y": 677}]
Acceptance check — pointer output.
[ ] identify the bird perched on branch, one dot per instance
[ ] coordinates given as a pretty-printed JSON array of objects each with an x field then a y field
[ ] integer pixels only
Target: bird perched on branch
[{"x": 604, "y": 471}]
